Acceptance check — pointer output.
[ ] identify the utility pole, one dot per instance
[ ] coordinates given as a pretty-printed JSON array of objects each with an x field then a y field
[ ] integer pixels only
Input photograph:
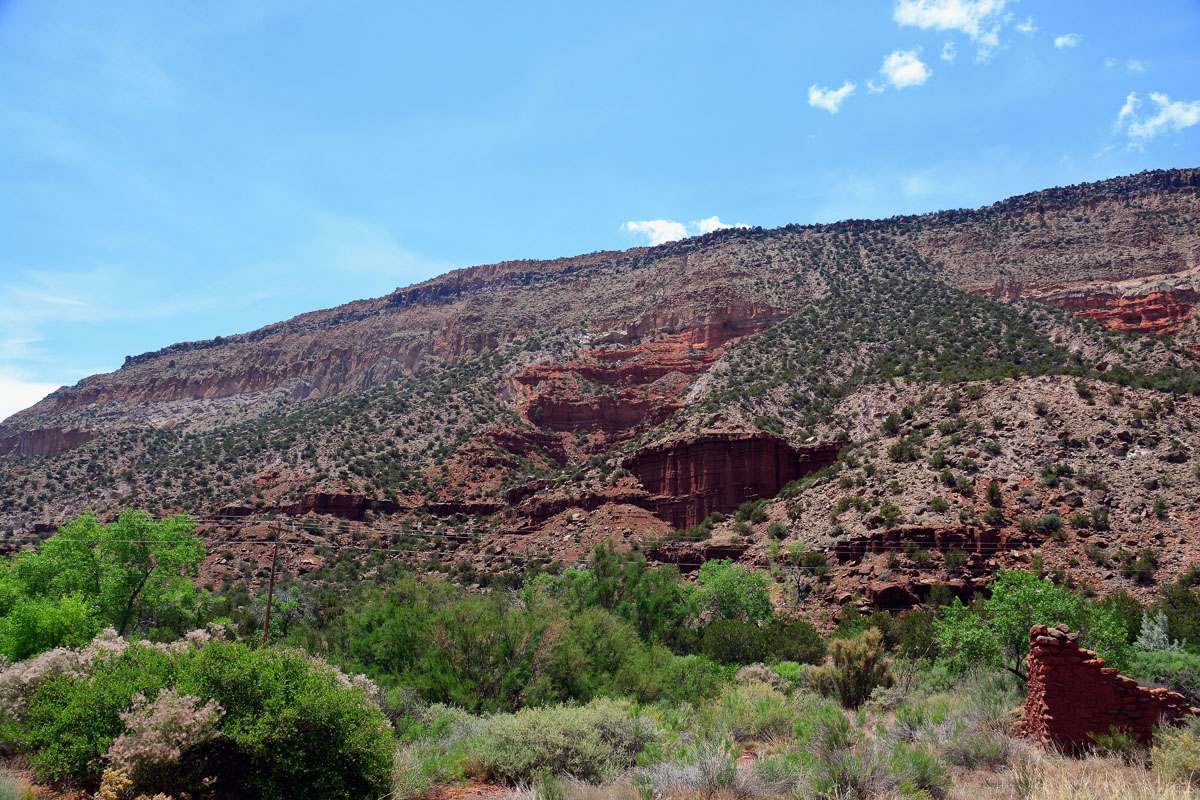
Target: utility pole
[{"x": 271, "y": 589}]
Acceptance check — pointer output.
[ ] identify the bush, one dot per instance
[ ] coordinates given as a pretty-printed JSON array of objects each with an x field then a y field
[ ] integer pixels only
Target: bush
[
  {"x": 732, "y": 642},
  {"x": 734, "y": 593},
  {"x": 981, "y": 750},
  {"x": 292, "y": 725},
  {"x": 592, "y": 743},
  {"x": 797, "y": 641},
  {"x": 1140, "y": 567},
  {"x": 160, "y": 749},
  {"x": 751, "y": 712},
  {"x": 1178, "y": 671},
  {"x": 1176, "y": 753},
  {"x": 916, "y": 771},
  {"x": 857, "y": 666}
]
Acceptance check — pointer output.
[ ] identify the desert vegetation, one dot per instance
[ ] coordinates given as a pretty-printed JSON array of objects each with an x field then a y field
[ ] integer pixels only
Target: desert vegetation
[{"x": 615, "y": 678}]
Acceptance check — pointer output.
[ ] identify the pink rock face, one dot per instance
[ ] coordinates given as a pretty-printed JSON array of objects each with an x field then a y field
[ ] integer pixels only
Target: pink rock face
[
  {"x": 44, "y": 443},
  {"x": 691, "y": 478},
  {"x": 1073, "y": 696}
]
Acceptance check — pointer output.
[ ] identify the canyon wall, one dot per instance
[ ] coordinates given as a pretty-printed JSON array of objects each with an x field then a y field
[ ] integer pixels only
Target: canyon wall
[
  {"x": 690, "y": 478},
  {"x": 1073, "y": 695},
  {"x": 45, "y": 442}
]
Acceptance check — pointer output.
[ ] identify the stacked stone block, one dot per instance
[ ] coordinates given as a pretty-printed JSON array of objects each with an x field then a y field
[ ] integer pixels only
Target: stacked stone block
[{"x": 1073, "y": 695}]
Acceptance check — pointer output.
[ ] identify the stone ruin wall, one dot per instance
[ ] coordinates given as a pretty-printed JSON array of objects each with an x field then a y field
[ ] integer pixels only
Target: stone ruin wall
[{"x": 1073, "y": 695}]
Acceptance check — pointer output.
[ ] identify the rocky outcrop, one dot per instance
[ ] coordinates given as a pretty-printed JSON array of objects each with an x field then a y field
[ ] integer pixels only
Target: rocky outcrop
[
  {"x": 1073, "y": 695},
  {"x": 1156, "y": 304},
  {"x": 339, "y": 504},
  {"x": 44, "y": 443},
  {"x": 613, "y": 390},
  {"x": 688, "y": 479},
  {"x": 967, "y": 538}
]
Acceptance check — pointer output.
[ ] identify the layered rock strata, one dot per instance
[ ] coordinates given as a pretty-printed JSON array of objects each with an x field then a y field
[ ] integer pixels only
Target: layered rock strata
[{"x": 688, "y": 479}]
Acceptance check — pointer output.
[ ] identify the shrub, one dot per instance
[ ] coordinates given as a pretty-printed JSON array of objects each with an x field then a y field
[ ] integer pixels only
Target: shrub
[
  {"x": 1177, "y": 671},
  {"x": 13, "y": 788},
  {"x": 730, "y": 641},
  {"x": 954, "y": 559},
  {"x": 981, "y": 750},
  {"x": 1176, "y": 753},
  {"x": 593, "y": 742},
  {"x": 1080, "y": 520},
  {"x": 421, "y": 766},
  {"x": 916, "y": 770},
  {"x": 797, "y": 641},
  {"x": 293, "y": 726},
  {"x": 857, "y": 666},
  {"x": 1049, "y": 524},
  {"x": 751, "y": 712},
  {"x": 1140, "y": 567},
  {"x": 938, "y": 503},
  {"x": 159, "y": 749},
  {"x": 1097, "y": 554},
  {"x": 735, "y": 593}
]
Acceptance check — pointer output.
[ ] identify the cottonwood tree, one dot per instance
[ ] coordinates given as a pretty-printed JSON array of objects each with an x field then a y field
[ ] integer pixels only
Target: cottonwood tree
[{"x": 129, "y": 574}]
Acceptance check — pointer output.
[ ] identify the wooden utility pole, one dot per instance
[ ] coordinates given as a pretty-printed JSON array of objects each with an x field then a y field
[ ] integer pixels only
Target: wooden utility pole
[{"x": 271, "y": 590}]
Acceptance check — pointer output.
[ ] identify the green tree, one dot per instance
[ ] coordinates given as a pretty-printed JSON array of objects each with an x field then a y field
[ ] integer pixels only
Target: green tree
[
  {"x": 996, "y": 632},
  {"x": 132, "y": 573},
  {"x": 733, "y": 592}
]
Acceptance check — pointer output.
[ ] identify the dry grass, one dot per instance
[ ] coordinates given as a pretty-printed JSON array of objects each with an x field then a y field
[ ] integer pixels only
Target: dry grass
[{"x": 1055, "y": 777}]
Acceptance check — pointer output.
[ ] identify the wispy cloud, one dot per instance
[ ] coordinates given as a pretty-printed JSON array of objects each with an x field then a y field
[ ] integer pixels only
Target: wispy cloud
[
  {"x": 829, "y": 99},
  {"x": 1026, "y": 27},
  {"x": 1067, "y": 40},
  {"x": 1169, "y": 116},
  {"x": 904, "y": 68},
  {"x": 660, "y": 231},
  {"x": 949, "y": 52}
]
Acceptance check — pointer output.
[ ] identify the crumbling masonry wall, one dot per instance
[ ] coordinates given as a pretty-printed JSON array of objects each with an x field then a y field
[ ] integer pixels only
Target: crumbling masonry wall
[{"x": 1072, "y": 695}]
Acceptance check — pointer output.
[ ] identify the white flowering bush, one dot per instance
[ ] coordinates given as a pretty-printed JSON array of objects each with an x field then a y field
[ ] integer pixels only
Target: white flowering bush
[{"x": 161, "y": 745}]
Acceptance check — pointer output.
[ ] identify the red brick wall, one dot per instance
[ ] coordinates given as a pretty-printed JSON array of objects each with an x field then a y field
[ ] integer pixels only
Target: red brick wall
[{"x": 1072, "y": 694}]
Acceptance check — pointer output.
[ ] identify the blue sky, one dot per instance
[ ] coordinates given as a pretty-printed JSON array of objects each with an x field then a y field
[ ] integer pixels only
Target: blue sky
[{"x": 175, "y": 171}]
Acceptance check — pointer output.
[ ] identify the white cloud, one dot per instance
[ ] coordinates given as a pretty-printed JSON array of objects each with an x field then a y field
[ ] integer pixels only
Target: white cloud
[
  {"x": 1110, "y": 62},
  {"x": 1067, "y": 40},
  {"x": 829, "y": 99},
  {"x": 949, "y": 52},
  {"x": 1131, "y": 104},
  {"x": 979, "y": 19},
  {"x": 1027, "y": 27},
  {"x": 660, "y": 231},
  {"x": 1133, "y": 65},
  {"x": 875, "y": 88},
  {"x": 657, "y": 231},
  {"x": 710, "y": 224},
  {"x": 903, "y": 68},
  {"x": 17, "y": 393},
  {"x": 1170, "y": 116}
]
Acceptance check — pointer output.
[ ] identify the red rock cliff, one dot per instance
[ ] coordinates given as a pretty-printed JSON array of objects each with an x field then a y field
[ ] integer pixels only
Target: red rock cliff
[
  {"x": 691, "y": 478},
  {"x": 1072, "y": 695},
  {"x": 45, "y": 442}
]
